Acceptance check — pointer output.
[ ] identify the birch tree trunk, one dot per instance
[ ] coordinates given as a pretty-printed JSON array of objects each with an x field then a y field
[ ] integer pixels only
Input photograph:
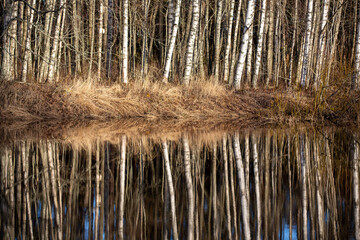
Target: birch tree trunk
[
  {"x": 125, "y": 42},
  {"x": 9, "y": 40},
  {"x": 233, "y": 55},
  {"x": 356, "y": 80},
  {"x": 259, "y": 45},
  {"x": 27, "y": 54},
  {"x": 270, "y": 54},
  {"x": 244, "y": 44},
  {"x": 54, "y": 51},
  {"x": 109, "y": 38},
  {"x": 100, "y": 40},
  {"x": 92, "y": 35},
  {"x": 217, "y": 38},
  {"x": 76, "y": 21},
  {"x": 249, "y": 56},
  {"x": 191, "y": 42},
  {"x": 294, "y": 40},
  {"x": 322, "y": 45},
  {"x": 228, "y": 42},
  {"x": 307, "y": 44},
  {"x": 172, "y": 42}
]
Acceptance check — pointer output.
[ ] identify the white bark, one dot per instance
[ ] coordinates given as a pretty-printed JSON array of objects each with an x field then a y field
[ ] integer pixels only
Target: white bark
[
  {"x": 293, "y": 43},
  {"x": 100, "y": 40},
  {"x": 244, "y": 44},
  {"x": 259, "y": 45},
  {"x": 171, "y": 188},
  {"x": 322, "y": 45},
  {"x": 27, "y": 54},
  {"x": 109, "y": 38},
  {"x": 192, "y": 37},
  {"x": 44, "y": 68},
  {"x": 217, "y": 38},
  {"x": 236, "y": 32},
  {"x": 356, "y": 81},
  {"x": 172, "y": 42},
  {"x": 228, "y": 42},
  {"x": 307, "y": 44},
  {"x": 54, "y": 51},
  {"x": 249, "y": 58},
  {"x": 242, "y": 185},
  {"x": 9, "y": 40}
]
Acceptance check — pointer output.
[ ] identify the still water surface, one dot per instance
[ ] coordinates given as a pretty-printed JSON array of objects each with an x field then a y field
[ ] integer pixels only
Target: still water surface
[{"x": 262, "y": 184}]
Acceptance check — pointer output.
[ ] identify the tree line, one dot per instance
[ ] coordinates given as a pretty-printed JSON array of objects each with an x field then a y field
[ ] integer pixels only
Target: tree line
[{"x": 244, "y": 43}]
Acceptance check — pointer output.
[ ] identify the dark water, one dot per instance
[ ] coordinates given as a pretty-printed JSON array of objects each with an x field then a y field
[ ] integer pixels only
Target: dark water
[{"x": 263, "y": 184}]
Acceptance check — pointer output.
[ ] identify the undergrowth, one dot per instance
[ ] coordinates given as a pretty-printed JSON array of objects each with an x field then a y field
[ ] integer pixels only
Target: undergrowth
[{"x": 202, "y": 102}]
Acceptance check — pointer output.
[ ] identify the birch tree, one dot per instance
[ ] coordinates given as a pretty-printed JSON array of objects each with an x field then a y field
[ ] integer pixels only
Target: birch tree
[
  {"x": 54, "y": 51},
  {"x": 356, "y": 80},
  {"x": 125, "y": 41},
  {"x": 228, "y": 42},
  {"x": 259, "y": 44},
  {"x": 322, "y": 45},
  {"x": 27, "y": 54},
  {"x": 109, "y": 38},
  {"x": 307, "y": 44},
  {"x": 76, "y": 28},
  {"x": 244, "y": 44},
  {"x": 172, "y": 42},
  {"x": 270, "y": 53},
  {"x": 294, "y": 40},
  {"x": 217, "y": 37},
  {"x": 9, "y": 39},
  {"x": 100, "y": 37},
  {"x": 191, "y": 42}
]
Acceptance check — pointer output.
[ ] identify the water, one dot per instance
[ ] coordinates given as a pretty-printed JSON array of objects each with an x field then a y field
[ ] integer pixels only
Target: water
[{"x": 259, "y": 184}]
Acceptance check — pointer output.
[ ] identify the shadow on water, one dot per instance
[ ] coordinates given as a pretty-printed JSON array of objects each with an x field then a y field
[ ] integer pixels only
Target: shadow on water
[{"x": 259, "y": 184}]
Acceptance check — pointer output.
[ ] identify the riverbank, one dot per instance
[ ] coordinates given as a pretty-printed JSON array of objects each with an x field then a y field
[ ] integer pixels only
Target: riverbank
[{"x": 202, "y": 103}]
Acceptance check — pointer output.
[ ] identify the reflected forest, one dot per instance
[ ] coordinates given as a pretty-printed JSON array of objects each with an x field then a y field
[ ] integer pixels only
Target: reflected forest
[{"x": 260, "y": 184}]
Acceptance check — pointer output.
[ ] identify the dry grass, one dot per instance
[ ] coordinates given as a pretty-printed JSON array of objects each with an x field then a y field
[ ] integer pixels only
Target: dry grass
[{"x": 202, "y": 104}]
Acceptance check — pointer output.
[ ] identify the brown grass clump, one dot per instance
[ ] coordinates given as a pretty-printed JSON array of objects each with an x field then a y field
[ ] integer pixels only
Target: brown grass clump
[{"x": 202, "y": 103}]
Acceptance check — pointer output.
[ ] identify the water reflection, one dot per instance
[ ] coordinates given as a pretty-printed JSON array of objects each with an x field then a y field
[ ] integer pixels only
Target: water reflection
[{"x": 250, "y": 185}]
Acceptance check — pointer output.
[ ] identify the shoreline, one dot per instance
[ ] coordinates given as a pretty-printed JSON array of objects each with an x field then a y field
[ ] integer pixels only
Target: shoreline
[{"x": 201, "y": 103}]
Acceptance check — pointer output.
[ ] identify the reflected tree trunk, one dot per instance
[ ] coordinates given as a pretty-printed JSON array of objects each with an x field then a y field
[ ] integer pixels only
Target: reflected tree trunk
[
  {"x": 227, "y": 192},
  {"x": 242, "y": 185},
  {"x": 190, "y": 190},
  {"x": 170, "y": 187},
  {"x": 122, "y": 188},
  {"x": 254, "y": 142},
  {"x": 356, "y": 188},
  {"x": 303, "y": 153}
]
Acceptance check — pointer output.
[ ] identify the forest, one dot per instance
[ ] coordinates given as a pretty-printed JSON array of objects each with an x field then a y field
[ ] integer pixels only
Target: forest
[{"x": 295, "y": 49}]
